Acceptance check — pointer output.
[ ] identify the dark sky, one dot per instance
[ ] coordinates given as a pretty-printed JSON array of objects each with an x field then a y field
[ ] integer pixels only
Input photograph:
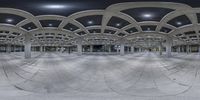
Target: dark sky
[{"x": 36, "y": 6}]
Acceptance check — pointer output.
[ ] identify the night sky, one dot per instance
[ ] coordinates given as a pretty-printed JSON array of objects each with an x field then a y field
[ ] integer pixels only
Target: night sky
[{"x": 36, "y": 7}]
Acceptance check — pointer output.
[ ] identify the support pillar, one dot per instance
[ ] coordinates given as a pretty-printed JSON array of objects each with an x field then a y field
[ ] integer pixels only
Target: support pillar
[
  {"x": 91, "y": 48},
  {"x": 132, "y": 49},
  {"x": 41, "y": 49},
  {"x": 27, "y": 45},
  {"x": 122, "y": 49},
  {"x": 187, "y": 48},
  {"x": 168, "y": 47},
  {"x": 8, "y": 48},
  {"x": 79, "y": 48},
  {"x": 140, "y": 49},
  {"x": 160, "y": 48},
  {"x": 178, "y": 49},
  {"x": 109, "y": 48}
]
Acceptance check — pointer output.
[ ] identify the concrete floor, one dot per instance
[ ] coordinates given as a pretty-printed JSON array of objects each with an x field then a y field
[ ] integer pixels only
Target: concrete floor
[{"x": 139, "y": 76}]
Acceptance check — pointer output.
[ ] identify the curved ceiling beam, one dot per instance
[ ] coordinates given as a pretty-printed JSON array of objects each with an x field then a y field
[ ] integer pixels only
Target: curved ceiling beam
[
  {"x": 130, "y": 5},
  {"x": 21, "y": 13}
]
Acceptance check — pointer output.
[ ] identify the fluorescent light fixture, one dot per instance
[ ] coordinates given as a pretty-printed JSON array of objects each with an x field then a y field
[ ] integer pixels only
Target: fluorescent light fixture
[
  {"x": 50, "y": 24},
  {"x": 178, "y": 23},
  {"x": 90, "y": 22},
  {"x": 55, "y": 6},
  {"x": 118, "y": 24},
  {"x": 147, "y": 15},
  {"x": 9, "y": 20}
]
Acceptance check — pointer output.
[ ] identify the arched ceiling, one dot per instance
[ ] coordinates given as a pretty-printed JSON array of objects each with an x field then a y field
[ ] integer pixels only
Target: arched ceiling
[{"x": 130, "y": 22}]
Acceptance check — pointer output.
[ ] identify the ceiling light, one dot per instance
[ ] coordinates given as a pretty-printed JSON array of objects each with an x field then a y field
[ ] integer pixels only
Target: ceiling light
[
  {"x": 50, "y": 24},
  {"x": 178, "y": 23},
  {"x": 147, "y": 15},
  {"x": 90, "y": 22},
  {"x": 9, "y": 20},
  {"x": 56, "y": 6},
  {"x": 29, "y": 28},
  {"x": 118, "y": 24}
]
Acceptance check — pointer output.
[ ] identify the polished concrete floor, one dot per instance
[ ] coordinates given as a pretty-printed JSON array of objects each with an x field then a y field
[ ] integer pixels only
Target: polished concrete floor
[{"x": 139, "y": 76}]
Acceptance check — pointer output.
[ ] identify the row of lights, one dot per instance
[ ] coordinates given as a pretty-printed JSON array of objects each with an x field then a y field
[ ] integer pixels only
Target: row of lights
[
  {"x": 148, "y": 15},
  {"x": 91, "y": 22},
  {"x": 11, "y": 20}
]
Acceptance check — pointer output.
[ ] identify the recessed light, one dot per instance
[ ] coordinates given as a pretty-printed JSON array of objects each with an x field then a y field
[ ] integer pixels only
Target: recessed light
[
  {"x": 56, "y": 6},
  {"x": 50, "y": 24},
  {"x": 90, "y": 22},
  {"x": 147, "y": 15},
  {"x": 178, "y": 23},
  {"x": 118, "y": 24},
  {"x": 9, "y": 20},
  {"x": 29, "y": 28}
]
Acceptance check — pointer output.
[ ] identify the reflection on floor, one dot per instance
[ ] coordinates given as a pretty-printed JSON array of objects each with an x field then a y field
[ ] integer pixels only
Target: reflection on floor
[{"x": 139, "y": 76}]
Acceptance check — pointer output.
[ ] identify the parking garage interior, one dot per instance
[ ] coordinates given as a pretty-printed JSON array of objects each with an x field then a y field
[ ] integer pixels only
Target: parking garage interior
[{"x": 99, "y": 50}]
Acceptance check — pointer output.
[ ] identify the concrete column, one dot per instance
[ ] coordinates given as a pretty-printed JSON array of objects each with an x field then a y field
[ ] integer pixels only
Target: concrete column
[
  {"x": 122, "y": 49},
  {"x": 132, "y": 49},
  {"x": 160, "y": 48},
  {"x": 140, "y": 49},
  {"x": 41, "y": 49},
  {"x": 91, "y": 48},
  {"x": 44, "y": 49},
  {"x": 27, "y": 45},
  {"x": 187, "y": 48},
  {"x": 168, "y": 47},
  {"x": 109, "y": 48},
  {"x": 79, "y": 48},
  {"x": 8, "y": 48},
  {"x": 178, "y": 49}
]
